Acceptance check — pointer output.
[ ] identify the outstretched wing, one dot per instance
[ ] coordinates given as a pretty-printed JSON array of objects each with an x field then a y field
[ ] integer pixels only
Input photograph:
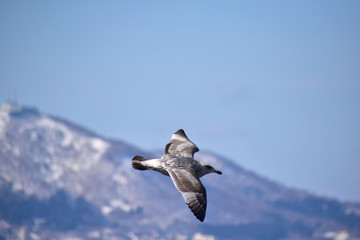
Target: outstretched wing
[
  {"x": 181, "y": 145},
  {"x": 191, "y": 189}
]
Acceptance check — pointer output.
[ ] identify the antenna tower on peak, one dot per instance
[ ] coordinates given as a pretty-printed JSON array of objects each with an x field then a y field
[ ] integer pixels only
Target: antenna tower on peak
[{"x": 12, "y": 99}]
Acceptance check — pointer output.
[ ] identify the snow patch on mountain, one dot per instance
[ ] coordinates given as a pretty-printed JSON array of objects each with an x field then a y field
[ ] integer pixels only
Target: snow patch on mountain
[
  {"x": 90, "y": 150},
  {"x": 117, "y": 204},
  {"x": 4, "y": 119},
  {"x": 69, "y": 139},
  {"x": 57, "y": 128}
]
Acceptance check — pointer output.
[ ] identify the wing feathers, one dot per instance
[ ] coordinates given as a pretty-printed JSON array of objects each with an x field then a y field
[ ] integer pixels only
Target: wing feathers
[
  {"x": 191, "y": 189},
  {"x": 180, "y": 134},
  {"x": 180, "y": 144}
]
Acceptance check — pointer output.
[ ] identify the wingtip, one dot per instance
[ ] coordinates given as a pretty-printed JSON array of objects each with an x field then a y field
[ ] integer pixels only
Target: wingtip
[
  {"x": 201, "y": 219},
  {"x": 199, "y": 210},
  {"x": 200, "y": 216},
  {"x": 180, "y": 131}
]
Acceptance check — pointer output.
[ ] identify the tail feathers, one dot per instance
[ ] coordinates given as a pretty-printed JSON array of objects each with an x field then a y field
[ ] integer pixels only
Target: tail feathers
[
  {"x": 136, "y": 162},
  {"x": 139, "y": 158}
]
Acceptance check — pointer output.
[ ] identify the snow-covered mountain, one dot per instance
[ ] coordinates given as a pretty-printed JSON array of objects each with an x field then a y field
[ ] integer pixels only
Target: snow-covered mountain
[{"x": 61, "y": 181}]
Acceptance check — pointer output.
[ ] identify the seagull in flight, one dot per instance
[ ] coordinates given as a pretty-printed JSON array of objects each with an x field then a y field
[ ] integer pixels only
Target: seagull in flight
[{"x": 178, "y": 162}]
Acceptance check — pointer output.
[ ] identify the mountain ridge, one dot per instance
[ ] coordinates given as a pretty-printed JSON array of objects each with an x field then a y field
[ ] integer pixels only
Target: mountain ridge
[{"x": 50, "y": 163}]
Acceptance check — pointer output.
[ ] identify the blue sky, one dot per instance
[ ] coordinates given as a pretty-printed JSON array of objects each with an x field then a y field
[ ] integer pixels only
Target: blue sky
[{"x": 275, "y": 86}]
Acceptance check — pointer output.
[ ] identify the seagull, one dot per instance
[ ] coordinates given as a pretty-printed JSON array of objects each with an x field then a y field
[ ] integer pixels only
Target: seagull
[{"x": 178, "y": 162}]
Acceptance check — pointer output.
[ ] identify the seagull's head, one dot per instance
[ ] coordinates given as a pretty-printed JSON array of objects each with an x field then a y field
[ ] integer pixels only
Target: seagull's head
[{"x": 211, "y": 169}]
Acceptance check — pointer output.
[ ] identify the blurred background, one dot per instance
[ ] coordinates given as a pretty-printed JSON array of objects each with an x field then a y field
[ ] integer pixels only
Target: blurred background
[{"x": 274, "y": 86}]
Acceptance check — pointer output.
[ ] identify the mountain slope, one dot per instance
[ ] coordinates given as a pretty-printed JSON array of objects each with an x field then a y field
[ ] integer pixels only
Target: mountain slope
[{"x": 60, "y": 180}]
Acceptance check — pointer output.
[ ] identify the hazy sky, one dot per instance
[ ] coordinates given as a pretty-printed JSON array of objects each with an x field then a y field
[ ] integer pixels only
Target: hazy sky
[{"x": 272, "y": 85}]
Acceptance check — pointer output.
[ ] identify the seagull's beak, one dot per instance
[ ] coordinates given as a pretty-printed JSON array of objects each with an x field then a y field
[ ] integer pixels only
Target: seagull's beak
[{"x": 218, "y": 172}]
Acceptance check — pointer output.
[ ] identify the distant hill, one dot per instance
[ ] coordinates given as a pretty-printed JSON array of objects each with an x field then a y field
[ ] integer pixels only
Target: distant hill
[{"x": 59, "y": 180}]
